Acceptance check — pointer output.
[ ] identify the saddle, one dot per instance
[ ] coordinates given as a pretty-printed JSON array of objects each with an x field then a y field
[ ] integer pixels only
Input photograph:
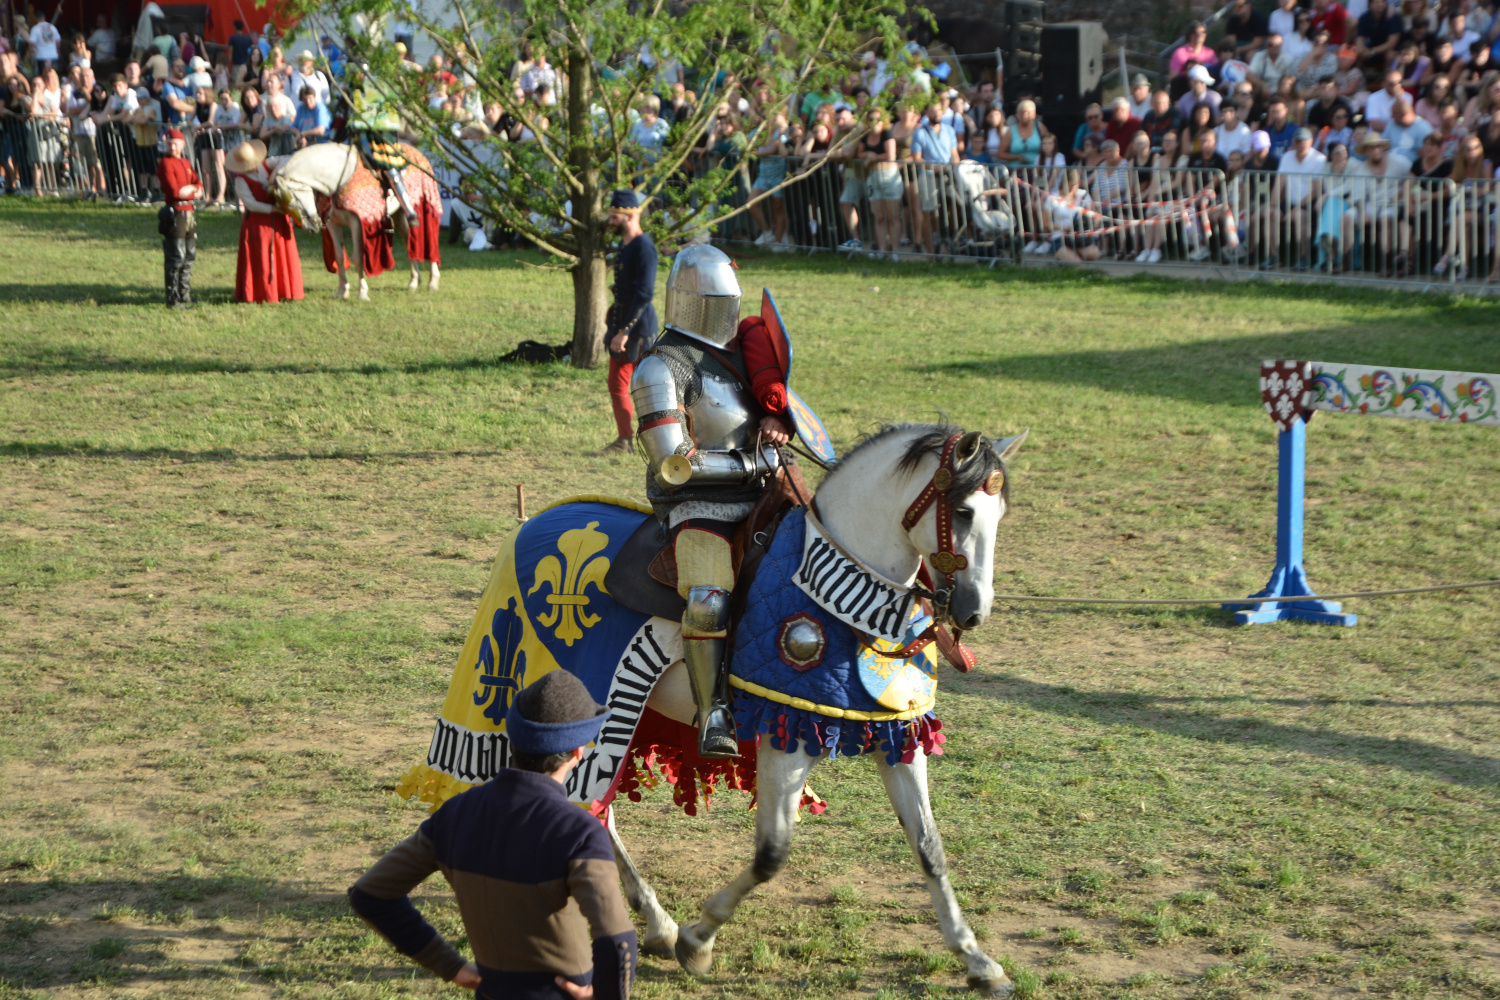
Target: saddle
[
  {"x": 643, "y": 577},
  {"x": 382, "y": 156}
]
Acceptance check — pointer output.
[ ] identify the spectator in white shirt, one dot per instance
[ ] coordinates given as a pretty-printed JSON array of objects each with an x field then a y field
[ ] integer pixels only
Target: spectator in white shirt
[
  {"x": 1298, "y": 170},
  {"x": 44, "y": 41},
  {"x": 1283, "y": 20},
  {"x": 1233, "y": 135},
  {"x": 1140, "y": 96},
  {"x": 102, "y": 41},
  {"x": 1270, "y": 64},
  {"x": 1378, "y": 107},
  {"x": 307, "y": 75}
]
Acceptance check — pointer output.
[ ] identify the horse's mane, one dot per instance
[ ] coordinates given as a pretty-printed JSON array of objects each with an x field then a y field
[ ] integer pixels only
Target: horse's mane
[{"x": 928, "y": 439}]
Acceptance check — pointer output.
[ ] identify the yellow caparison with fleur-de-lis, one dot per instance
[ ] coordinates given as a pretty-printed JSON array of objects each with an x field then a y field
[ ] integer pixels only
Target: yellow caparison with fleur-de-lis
[{"x": 581, "y": 566}]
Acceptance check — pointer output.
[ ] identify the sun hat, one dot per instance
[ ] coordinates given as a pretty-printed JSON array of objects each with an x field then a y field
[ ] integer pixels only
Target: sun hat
[
  {"x": 554, "y": 715},
  {"x": 1139, "y": 80},
  {"x": 246, "y": 156},
  {"x": 305, "y": 56},
  {"x": 1371, "y": 140},
  {"x": 1260, "y": 139}
]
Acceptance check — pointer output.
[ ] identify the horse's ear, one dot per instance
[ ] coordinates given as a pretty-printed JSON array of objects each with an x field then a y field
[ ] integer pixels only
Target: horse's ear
[
  {"x": 1009, "y": 446},
  {"x": 968, "y": 447}
]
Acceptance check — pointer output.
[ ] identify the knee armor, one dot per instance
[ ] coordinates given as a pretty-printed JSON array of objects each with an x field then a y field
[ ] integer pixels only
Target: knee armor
[{"x": 707, "y": 609}]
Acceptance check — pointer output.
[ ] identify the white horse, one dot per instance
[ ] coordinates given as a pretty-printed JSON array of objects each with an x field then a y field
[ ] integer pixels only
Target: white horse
[
  {"x": 334, "y": 171},
  {"x": 861, "y": 504}
]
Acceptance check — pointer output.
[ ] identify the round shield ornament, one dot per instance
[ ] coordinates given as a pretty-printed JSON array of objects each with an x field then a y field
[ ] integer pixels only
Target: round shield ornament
[{"x": 801, "y": 642}]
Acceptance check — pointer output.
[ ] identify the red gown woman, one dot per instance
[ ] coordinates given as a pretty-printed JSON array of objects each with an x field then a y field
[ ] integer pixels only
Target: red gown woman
[{"x": 269, "y": 269}]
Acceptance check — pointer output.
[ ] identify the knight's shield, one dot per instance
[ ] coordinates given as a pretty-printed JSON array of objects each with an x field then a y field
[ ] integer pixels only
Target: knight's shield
[
  {"x": 810, "y": 429},
  {"x": 900, "y": 685},
  {"x": 781, "y": 341}
]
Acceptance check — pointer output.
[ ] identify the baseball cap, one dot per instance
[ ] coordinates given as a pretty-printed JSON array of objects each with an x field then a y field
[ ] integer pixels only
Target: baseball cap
[
  {"x": 1201, "y": 74},
  {"x": 1261, "y": 139},
  {"x": 1301, "y": 134},
  {"x": 174, "y": 133},
  {"x": 1348, "y": 50}
]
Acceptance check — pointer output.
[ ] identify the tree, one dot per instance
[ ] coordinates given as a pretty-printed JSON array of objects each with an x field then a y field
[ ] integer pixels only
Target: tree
[{"x": 553, "y": 186}]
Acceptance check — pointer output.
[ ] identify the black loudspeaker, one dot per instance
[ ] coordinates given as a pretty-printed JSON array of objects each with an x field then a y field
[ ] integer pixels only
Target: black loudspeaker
[
  {"x": 1023, "y": 45},
  {"x": 1072, "y": 64}
]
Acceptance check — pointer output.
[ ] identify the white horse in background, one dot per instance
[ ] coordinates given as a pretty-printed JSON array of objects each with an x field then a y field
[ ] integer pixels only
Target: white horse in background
[{"x": 334, "y": 171}]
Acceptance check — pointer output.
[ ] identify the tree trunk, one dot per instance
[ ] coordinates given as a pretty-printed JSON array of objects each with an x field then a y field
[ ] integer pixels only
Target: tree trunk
[
  {"x": 590, "y": 276},
  {"x": 590, "y": 300}
]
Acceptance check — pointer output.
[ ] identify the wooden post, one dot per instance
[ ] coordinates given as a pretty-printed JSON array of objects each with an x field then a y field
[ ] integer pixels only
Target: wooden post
[{"x": 521, "y": 502}]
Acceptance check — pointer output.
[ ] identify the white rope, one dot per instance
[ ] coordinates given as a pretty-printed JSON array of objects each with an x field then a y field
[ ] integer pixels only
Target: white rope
[{"x": 1247, "y": 600}]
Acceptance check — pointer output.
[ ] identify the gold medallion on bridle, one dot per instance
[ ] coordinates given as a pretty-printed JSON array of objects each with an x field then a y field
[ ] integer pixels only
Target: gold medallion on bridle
[
  {"x": 995, "y": 483},
  {"x": 942, "y": 479},
  {"x": 947, "y": 562}
]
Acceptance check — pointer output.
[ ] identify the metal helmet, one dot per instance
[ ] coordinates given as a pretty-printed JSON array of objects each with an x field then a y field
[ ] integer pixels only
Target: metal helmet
[{"x": 703, "y": 295}]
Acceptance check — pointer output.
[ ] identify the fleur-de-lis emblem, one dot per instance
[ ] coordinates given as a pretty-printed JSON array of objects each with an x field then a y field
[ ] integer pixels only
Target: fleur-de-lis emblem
[{"x": 580, "y": 548}]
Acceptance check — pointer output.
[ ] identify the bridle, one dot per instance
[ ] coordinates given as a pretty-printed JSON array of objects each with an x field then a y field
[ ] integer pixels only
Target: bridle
[{"x": 945, "y": 560}]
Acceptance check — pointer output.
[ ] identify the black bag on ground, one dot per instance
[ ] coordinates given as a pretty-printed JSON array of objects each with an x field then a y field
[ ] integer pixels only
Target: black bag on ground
[{"x": 534, "y": 352}]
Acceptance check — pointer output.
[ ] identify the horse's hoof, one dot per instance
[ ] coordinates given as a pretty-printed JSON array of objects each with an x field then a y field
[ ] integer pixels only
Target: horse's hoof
[
  {"x": 694, "y": 955},
  {"x": 664, "y": 946},
  {"x": 412, "y": 287},
  {"x": 992, "y": 986}
]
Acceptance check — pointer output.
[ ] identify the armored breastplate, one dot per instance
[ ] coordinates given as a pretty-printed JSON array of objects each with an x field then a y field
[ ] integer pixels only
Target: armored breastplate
[{"x": 723, "y": 416}]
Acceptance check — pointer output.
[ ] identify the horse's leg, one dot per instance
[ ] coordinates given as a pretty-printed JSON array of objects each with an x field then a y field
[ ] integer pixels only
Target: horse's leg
[
  {"x": 334, "y": 230},
  {"x": 661, "y": 929},
  {"x": 357, "y": 254},
  {"x": 403, "y": 234},
  {"x": 779, "y": 777},
  {"x": 906, "y": 784}
]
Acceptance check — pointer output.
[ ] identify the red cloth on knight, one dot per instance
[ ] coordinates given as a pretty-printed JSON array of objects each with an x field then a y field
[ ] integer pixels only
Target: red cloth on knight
[
  {"x": 424, "y": 242},
  {"x": 767, "y": 380},
  {"x": 269, "y": 269},
  {"x": 176, "y": 173}
]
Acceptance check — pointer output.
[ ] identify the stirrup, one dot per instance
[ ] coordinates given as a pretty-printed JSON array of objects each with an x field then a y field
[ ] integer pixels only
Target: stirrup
[{"x": 716, "y": 738}]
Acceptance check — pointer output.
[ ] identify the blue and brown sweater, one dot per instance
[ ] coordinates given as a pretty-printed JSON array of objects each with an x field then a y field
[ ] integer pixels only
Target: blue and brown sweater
[{"x": 536, "y": 884}]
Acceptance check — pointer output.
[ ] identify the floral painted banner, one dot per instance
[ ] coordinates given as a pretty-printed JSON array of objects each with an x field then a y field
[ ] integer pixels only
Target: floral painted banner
[{"x": 1462, "y": 397}]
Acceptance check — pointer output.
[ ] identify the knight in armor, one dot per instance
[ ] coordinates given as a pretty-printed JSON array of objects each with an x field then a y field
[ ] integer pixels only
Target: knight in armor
[
  {"x": 372, "y": 126},
  {"x": 710, "y": 445}
]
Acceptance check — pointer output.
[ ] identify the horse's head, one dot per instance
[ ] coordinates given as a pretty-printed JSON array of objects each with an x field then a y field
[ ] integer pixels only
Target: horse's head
[
  {"x": 968, "y": 477},
  {"x": 298, "y": 201}
]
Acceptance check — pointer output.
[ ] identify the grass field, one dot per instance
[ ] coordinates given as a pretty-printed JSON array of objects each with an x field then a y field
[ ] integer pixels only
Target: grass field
[{"x": 240, "y": 548}]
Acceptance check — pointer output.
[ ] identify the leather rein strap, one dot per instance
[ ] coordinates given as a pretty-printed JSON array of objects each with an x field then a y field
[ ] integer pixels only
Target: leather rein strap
[{"x": 945, "y": 560}]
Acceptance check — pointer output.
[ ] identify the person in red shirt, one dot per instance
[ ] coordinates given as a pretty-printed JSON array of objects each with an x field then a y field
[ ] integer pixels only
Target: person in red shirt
[
  {"x": 1330, "y": 16},
  {"x": 180, "y": 186},
  {"x": 1122, "y": 125}
]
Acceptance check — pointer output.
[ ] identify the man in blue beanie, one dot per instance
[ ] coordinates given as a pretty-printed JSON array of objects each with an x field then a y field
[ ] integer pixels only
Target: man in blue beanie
[{"x": 534, "y": 874}]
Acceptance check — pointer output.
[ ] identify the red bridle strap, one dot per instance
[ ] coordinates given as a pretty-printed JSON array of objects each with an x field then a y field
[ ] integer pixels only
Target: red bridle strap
[{"x": 935, "y": 494}]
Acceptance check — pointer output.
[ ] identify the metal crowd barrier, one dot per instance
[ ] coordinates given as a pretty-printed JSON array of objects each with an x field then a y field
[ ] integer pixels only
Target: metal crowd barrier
[
  {"x": 117, "y": 163},
  {"x": 907, "y": 210},
  {"x": 1417, "y": 231},
  {"x": 1354, "y": 226}
]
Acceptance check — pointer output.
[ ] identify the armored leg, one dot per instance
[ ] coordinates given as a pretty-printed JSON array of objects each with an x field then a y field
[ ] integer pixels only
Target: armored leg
[
  {"x": 704, "y": 645},
  {"x": 398, "y": 184}
]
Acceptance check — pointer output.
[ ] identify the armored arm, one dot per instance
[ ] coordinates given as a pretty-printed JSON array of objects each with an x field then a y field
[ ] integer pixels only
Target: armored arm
[
  {"x": 673, "y": 458},
  {"x": 659, "y": 423}
]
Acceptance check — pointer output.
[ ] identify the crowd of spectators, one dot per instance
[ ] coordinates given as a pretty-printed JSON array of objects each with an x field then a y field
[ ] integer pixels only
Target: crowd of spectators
[
  {"x": 88, "y": 115},
  {"x": 1312, "y": 105}
]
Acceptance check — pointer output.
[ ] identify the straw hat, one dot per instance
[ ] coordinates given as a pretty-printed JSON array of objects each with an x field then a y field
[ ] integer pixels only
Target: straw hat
[{"x": 245, "y": 157}]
